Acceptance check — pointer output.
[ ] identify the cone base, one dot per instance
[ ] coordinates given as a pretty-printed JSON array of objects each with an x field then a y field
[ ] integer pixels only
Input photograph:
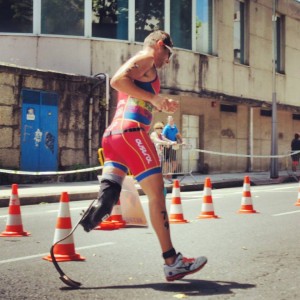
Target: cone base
[
  {"x": 61, "y": 258},
  {"x": 178, "y": 221},
  {"x": 208, "y": 217},
  {"x": 120, "y": 224},
  {"x": 244, "y": 211},
  {"x": 107, "y": 226},
  {"x": 14, "y": 234},
  {"x": 118, "y": 221}
]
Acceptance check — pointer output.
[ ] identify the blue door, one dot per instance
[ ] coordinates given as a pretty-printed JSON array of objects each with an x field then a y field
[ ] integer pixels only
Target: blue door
[{"x": 39, "y": 131}]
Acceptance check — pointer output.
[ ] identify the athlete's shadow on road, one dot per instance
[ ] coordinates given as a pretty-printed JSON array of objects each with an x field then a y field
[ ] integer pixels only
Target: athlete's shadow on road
[{"x": 185, "y": 286}]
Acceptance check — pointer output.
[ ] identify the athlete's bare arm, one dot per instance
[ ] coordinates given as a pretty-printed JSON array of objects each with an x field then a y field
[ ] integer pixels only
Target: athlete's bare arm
[
  {"x": 138, "y": 67},
  {"x": 141, "y": 67}
]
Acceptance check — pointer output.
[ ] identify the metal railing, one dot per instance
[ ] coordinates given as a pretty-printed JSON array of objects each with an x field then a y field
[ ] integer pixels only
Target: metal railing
[{"x": 179, "y": 159}]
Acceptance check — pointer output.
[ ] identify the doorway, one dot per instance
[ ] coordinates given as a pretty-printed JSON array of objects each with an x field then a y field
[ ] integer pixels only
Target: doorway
[{"x": 39, "y": 131}]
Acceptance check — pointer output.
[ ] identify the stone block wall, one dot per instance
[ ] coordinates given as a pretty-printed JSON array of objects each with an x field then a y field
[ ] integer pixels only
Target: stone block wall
[{"x": 74, "y": 93}]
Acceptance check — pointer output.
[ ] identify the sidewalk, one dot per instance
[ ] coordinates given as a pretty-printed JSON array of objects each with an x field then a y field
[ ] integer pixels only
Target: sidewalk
[{"x": 50, "y": 192}]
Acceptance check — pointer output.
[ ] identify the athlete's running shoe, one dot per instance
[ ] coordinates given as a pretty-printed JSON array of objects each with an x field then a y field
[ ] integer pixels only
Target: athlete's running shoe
[{"x": 184, "y": 266}]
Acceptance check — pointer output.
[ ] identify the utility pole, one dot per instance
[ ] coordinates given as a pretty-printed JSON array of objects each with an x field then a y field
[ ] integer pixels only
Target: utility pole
[{"x": 274, "y": 138}]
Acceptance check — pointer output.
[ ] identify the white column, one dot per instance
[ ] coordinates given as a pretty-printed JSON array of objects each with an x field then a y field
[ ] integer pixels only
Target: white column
[
  {"x": 131, "y": 20},
  {"x": 37, "y": 15},
  {"x": 167, "y": 16},
  {"x": 88, "y": 18}
]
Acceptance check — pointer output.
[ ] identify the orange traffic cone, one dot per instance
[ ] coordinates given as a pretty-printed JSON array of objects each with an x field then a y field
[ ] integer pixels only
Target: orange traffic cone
[
  {"x": 246, "y": 206},
  {"x": 207, "y": 204},
  {"x": 14, "y": 225},
  {"x": 116, "y": 216},
  {"x": 64, "y": 251},
  {"x": 106, "y": 225},
  {"x": 298, "y": 201},
  {"x": 176, "y": 213},
  {"x": 115, "y": 221}
]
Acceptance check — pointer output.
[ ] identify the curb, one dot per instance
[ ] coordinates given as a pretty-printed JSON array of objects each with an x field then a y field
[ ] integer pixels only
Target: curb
[
  {"x": 44, "y": 199},
  {"x": 55, "y": 198},
  {"x": 188, "y": 187}
]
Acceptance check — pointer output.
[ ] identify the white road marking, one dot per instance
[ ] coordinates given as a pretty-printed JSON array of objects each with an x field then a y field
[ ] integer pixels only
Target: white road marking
[
  {"x": 198, "y": 197},
  {"x": 286, "y": 213},
  {"x": 279, "y": 188},
  {"x": 44, "y": 254}
]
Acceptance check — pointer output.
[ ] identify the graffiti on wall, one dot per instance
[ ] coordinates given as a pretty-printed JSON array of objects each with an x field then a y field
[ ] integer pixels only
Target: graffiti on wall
[{"x": 49, "y": 141}]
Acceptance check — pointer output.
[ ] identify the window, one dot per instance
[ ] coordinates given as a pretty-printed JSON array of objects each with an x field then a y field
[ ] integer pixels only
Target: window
[
  {"x": 204, "y": 26},
  {"x": 63, "y": 17},
  {"x": 190, "y": 22},
  {"x": 266, "y": 113},
  {"x": 240, "y": 30},
  {"x": 181, "y": 23},
  {"x": 16, "y": 16},
  {"x": 296, "y": 117},
  {"x": 110, "y": 19},
  {"x": 149, "y": 16},
  {"x": 279, "y": 44},
  {"x": 228, "y": 108}
]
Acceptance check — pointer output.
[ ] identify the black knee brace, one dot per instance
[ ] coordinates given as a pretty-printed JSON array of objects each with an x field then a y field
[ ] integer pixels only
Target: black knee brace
[{"x": 108, "y": 197}]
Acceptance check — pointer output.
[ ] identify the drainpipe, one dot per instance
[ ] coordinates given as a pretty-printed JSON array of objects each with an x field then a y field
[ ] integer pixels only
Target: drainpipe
[
  {"x": 105, "y": 76},
  {"x": 90, "y": 129},
  {"x": 106, "y": 99},
  {"x": 251, "y": 138},
  {"x": 101, "y": 77},
  {"x": 274, "y": 137}
]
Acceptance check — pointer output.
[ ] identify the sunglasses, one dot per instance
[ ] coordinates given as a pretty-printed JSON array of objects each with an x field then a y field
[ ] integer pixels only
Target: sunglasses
[
  {"x": 159, "y": 128},
  {"x": 170, "y": 51}
]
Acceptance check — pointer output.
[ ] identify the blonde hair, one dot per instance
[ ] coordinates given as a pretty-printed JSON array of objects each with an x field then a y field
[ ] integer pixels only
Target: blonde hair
[{"x": 158, "y": 125}]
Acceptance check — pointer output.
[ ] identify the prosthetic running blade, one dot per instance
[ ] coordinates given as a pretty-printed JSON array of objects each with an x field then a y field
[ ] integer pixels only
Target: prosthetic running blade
[{"x": 63, "y": 277}]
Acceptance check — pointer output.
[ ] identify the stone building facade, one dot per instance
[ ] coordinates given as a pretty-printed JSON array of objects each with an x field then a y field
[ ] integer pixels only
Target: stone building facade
[
  {"x": 225, "y": 102},
  {"x": 80, "y": 120}
]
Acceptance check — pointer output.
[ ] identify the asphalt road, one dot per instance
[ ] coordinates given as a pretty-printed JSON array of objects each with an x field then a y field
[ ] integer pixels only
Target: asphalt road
[{"x": 250, "y": 256}]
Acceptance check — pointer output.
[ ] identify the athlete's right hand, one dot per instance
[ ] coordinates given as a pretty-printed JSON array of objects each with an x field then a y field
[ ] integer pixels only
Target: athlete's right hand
[
  {"x": 165, "y": 104},
  {"x": 157, "y": 101}
]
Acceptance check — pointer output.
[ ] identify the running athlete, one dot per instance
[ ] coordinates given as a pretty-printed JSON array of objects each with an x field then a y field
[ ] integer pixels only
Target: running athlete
[{"x": 126, "y": 144}]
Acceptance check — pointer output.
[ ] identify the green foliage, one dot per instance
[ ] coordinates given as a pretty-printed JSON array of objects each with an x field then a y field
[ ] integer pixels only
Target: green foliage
[
  {"x": 198, "y": 25},
  {"x": 106, "y": 11},
  {"x": 149, "y": 14},
  {"x": 149, "y": 10},
  {"x": 63, "y": 17},
  {"x": 16, "y": 16},
  {"x": 23, "y": 10}
]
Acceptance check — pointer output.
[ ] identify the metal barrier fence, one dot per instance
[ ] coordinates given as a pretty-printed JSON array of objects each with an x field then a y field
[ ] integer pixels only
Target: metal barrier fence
[
  {"x": 179, "y": 159},
  {"x": 182, "y": 160},
  {"x": 187, "y": 156}
]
